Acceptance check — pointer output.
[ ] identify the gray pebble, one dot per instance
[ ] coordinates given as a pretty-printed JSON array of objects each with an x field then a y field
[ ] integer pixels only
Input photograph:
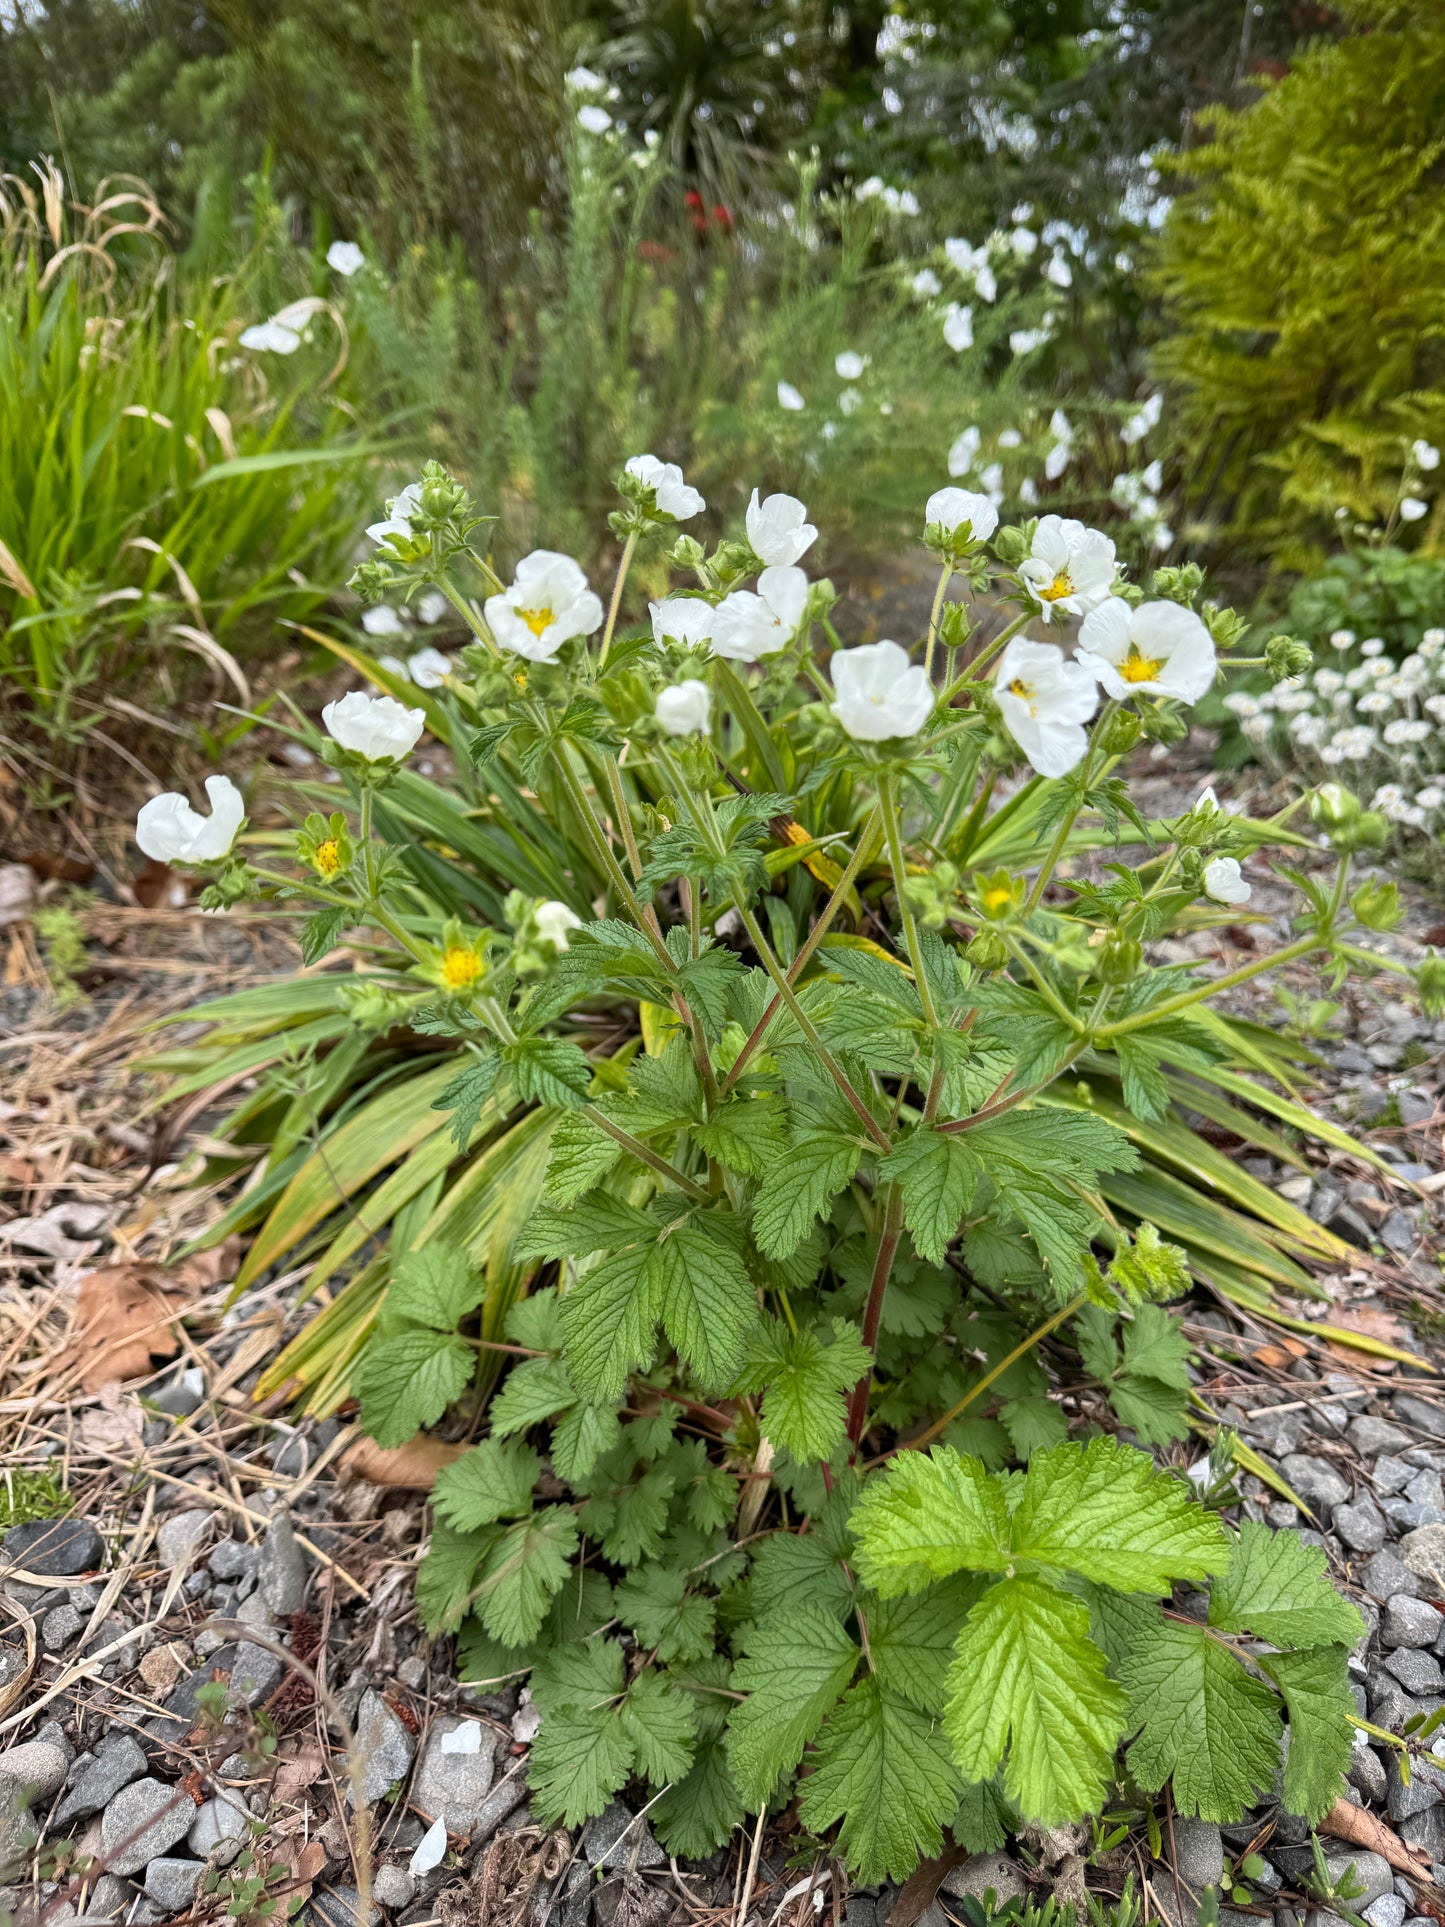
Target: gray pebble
[
  {"x": 339, "y": 1907},
  {"x": 54, "y": 1548},
  {"x": 1385, "y": 1575},
  {"x": 980, "y": 1872},
  {"x": 32, "y": 1771},
  {"x": 108, "y": 1897},
  {"x": 394, "y": 1887},
  {"x": 1426, "y": 1788},
  {"x": 615, "y": 1838},
  {"x": 1371, "y": 1872},
  {"x": 1361, "y": 1525},
  {"x": 1199, "y": 1852},
  {"x": 1400, "y": 1231},
  {"x": 1388, "y": 1911},
  {"x": 1424, "y": 1417},
  {"x": 1316, "y": 1480},
  {"x": 453, "y": 1786},
  {"x": 218, "y": 1829},
  {"x": 142, "y": 1822},
  {"x": 117, "y": 1761},
  {"x": 1374, "y": 1435},
  {"x": 281, "y": 1575},
  {"x": 1410, "y": 1622},
  {"x": 172, "y": 1884},
  {"x": 59, "y": 1626},
  {"x": 181, "y": 1533},
  {"x": 1391, "y": 1474},
  {"x": 234, "y": 1559},
  {"x": 1366, "y": 1774},
  {"x": 384, "y": 1749},
  {"x": 1423, "y": 1552}
]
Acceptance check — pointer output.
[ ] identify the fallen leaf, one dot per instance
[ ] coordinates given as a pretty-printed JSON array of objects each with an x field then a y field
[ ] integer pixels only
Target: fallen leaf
[
  {"x": 123, "y": 1318},
  {"x": 413, "y": 1467},
  {"x": 1371, "y": 1322},
  {"x": 62, "y": 1232},
  {"x": 1361, "y": 1829},
  {"x": 919, "y": 1890},
  {"x": 297, "y": 1770},
  {"x": 115, "y": 1425}
]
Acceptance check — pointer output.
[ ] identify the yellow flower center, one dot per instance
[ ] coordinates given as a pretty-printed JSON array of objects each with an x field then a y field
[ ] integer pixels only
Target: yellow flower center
[
  {"x": 1062, "y": 585},
  {"x": 996, "y": 899},
  {"x": 327, "y": 859},
  {"x": 520, "y": 679},
  {"x": 1025, "y": 692},
  {"x": 536, "y": 619},
  {"x": 1137, "y": 668},
  {"x": 461, "y": 967}
]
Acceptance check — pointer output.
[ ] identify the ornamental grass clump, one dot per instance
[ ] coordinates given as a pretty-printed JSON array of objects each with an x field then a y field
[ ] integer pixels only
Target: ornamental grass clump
[{"x": 712, "y": 1102}]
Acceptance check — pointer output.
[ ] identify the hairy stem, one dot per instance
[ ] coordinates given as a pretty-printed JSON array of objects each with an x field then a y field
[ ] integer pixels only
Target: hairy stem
[
  {"x": 890, "y": 1233},
  {"x": 628, "y": 548},
  {"x": 939, "y": 593}
]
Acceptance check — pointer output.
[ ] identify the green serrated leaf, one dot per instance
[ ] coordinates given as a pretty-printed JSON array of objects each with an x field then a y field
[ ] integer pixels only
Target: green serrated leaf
[
  {"x": 407, "y": 1379},
  {"x": 1157, "y": 1414},
  {"x": 792, "y": 1671},
  {"x": 1033, "y": 1425},
  {"x": 792, "y": 1569},
  {"x": 580, "y": 1158},
  {"x": 926, "y": 1517},
  {"x": 467, "y": 1094},
  {"x": 1276, "y": 1587},
  {"x": 910, "y": 1640},
  {"x": 444, "y": 1580},
  {"x": 746, "y": 1134},
  {"x": 549, "y": 1070},
  {"x": 1155, "y": 1347},
  {"x": 1027, "y": 1677},
  {"x": 1102, "y": 1510},
  {"x": 658, "y": 1721},
  {"x": 537, "y": 1389},
  {"x": 804, "y": 1382},
  {"x": 1205, "y": 1722},
  {"x": 803, "y": 1184},
  {"x": 1316, "y": 1690},
  {"x": 699, "y": 1813},
  {"x": 524, "y": 1569},
  {"x": 435, "y": 1286},
  {"x": 321, "y": 932},
  {"x": 656, "y": 1605},
  {"x": 938, "y": 1176},
  {"x": 581, "y": 1755},
  {"x": 493, "y": 1481},
  {"x": 610, "y": 1319},
  {"x": 579, "y": 1439},
  {"x": 706, "y": 1301},
  {"x": 882, "y": 1769}
]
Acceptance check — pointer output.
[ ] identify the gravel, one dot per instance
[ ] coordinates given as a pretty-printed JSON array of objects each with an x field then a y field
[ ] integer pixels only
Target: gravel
[
  {"x": 1386, "y": 1576},
  {"x": 117, "y": 1761},
  {"x": 59, "y": 1627},
  {"x": 616, "y": 1839},
  {"x": 181, "y": 1534},
  {"x": 218, "y": 1830},
  {"x": 1361, "y": 1525},
  {"x": 977, "y": 1874},
  {"x": 54, "y": 1548},
  {"x": 1316, "y": 1481},
  {"x": 1423, "y": 1552},
  {"x": 453, "y": 1786},
  {"x": 384, "y": 1748},
  {"x": 34, "y": 1770},
  {"x": 1425, "y": 1418},
  {"x": 1409, "y": 1622},
  {"x": 281, "y": 1574},
  {"x": 143, "y": 1821},
  {"x": 1198, "y": 1853},
  {"x": 172, "y": 1884}
]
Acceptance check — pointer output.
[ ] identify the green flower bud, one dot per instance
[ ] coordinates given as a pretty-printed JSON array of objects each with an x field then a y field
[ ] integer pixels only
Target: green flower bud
[
  {"x": 987, "y": 951},
  {"x": 1369, "y": 831},
  {"x": 1332, "y": 807},
  {"x": 1165, "y": 723},
  {"x": 1377, "y": 905},
  {"x": 953, "y": 625},
  {"x": 1117, "y": 958},
  {"x": 1011, "y": 546},
  {"x": 1191, "y": 866},
  {"x": 1286, "y": 657},
  {"x": 1430, "y": 982},
  {"x": 1124, "y": 730}
]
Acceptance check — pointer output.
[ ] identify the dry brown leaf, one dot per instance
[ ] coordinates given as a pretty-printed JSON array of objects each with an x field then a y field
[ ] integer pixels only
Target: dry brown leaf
[
  {"x": 296, "y": 1770},
  {"x": 1372, "y": 1322},
  {"x": 115, "y": 1425},
  {"x": 920, "y": 1889},
  {"x": 1360, "y": 1828},
  {"x": 123, "y": 1317},
  {"x": 412, "y": 1467},
  {"x": 207, "y": 1269}
]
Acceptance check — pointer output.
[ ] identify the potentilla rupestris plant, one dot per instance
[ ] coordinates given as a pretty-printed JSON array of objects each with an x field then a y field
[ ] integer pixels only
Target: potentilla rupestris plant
[{"x": 860, "y": 1070}]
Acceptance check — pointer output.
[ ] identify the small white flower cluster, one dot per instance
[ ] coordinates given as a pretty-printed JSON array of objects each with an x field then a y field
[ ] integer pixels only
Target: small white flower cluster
[{"x": 1378, "y": 720}]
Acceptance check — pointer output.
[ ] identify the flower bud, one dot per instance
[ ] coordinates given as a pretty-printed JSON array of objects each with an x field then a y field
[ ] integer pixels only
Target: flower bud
[
  {"x": 1332, "y": 807},
  {"x": 1118, "y": 958},
  {"x": 1124, "y": 729},
  {"x": 1011, "y": 546},
  {"x": 1377, "y": 905},
  {"x": 1286, "y": 657},
  {"x": 988, "y": 951},
  {"x": 1430, "y": 982},
  {"x": 998, "y": 896}
]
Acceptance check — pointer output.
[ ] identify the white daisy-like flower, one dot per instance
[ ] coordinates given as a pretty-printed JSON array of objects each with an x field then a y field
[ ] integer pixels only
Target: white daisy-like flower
[
  {"x": 1327, "y": 681},
  {"x": 346, "y": 258},
  {"x": 1069, "y": 568},
  {"x": 1224, "y": 882},
  {"x": 683, "y": 708},
  {"x": 1159, "y": 649},
  {"x": 1240, "y": 703},
  {"x": 881, "y": 695},
  {"x": 1431, "y": 797},
  {"x": 958, "y": 327},
  {"x": 547, "y": 604},
  {"x": 1373, "y": 646},
  {"x": 746, "y": 625},
  {"x": 950, "y": 508},
  {"x": 1342, "y": 638},
  {"x": 169, "y": 830},
  {"x": 1389, "y": 796},
  {"x": 1431, "y": 643},
  {"x": 1406, "y": 731},
  {"x": 428, "y": 668},
  {"x": 670, "y": 492},
  {"x": 376, "y": 727},
  {"x": 1309, "y": 731},
  {"x": 790, "y": 398},
  {"x": 1256, "y": 729},
  {"x": 779, "y": 531},
  {"x": 1045, "y": 701},
  {"x": 681, "y": 618},
  {"x": 1377, "y": 703},
  {"x": 382, "y": 620}
]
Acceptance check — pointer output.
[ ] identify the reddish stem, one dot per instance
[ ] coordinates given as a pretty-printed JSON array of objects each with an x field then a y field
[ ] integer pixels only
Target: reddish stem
[{"x": 888, "y": 1239}]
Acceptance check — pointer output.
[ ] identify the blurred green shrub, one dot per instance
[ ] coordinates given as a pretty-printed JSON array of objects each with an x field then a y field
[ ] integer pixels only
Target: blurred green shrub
[{"x": 1304, "y": 267}]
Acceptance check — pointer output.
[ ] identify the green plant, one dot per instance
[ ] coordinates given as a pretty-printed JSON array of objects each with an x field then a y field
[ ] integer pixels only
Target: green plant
[
  {"x": 149, "y": 516},
  {"x": 721, "y": 1236},
  {"x": 1301, "y": 266},
  {"x": 27, "y": 1495},
  {"x": 63, "y": 934}
]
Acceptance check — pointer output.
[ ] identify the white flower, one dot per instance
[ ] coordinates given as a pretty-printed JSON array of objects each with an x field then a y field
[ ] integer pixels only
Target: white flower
[
  {"x": 430, "y": 1850},
  {"x": 849, "y": 402},
  {"x": 1023, "y": 341},
  {"x": 778, "y": 529},
  {"x": 1158, "y": 649},
  {"x": 1431, "y": 643},
  {"x": 1058, "y": 271},
  {"x": 1407, "y": 730},
  {"x": 346, "y": 258},
  {"x": 1376, "y": 703},
  {"x": 1309, "y": 730},
  {"x": 428, "y": 668},
  {"x": 952, "y": 507},
  {"x": 1023, "y": 240},
  {"x": 554, "y": 920},
  {"x": 926, "y": 284},
  {"x": 681, "y": 618},
  {"x": 1223, "y": 882},
  {"x": 1143, "y": 419},
  {"x": 1293, "y": 701},
  {"x": 1256, "y": 729},
  {"x": 850, "y": 365},
  {"x": 870, "y": 189},
  {"x": 1415, "y": 818},
  {"x": 747, "y": 625},
  {"x": 670, "y": 491},
  {"x": 964, "y": 452},
  {"x": 790, "y": 398},
  {"x": 1010, "y": 438},
  {"x": 547, "y": 604},
  {"x": 1430, "y": 798},
  {"x": 1353, "y": 745},
  {"x": 1341, "y": 638},
  {"x": 1426, "y": 454},
  {"x": 1069, "y": 568},
  {"x": 168, "y": 830},
  {"x": 1373, "y": 646},
  {"x": 375, "y": 727},
  {"x": 992, "y": 479},
  {"x": 1045, "y": 700},
  {"x": 593, "y": 119},
  {"x": 1029, "y": 492},
  {"x": 1328, "y": 681},
  {"x": 271, "y": 338},
  {"x": 399, "y": 512},
  {"x": 1389, "y": 796},
  {"x": 1241, "y": 704},
  {"x": 394, "y": 666},
  {"x": 1412, "y": 509},
  {"x": 383, "y": 620},
  {"x": 880, "y": 693},
  {"x": 958, "y": 327},
  {"x": 1062, "y": 452},
  {"x": 432, "y": 606},
  {"x": 582, "y": 80},
  {"x": 683, "y": 708}
]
